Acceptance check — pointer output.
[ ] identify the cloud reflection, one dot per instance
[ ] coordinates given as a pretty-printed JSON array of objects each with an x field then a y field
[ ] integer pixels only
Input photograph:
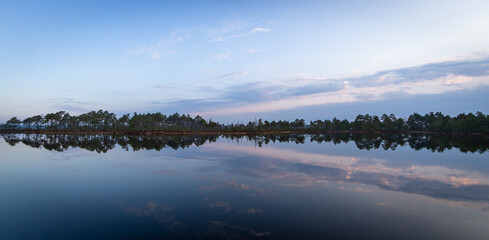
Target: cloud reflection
[
  {"x": 231, "y": 231},
  {"x": 293, "y": 168},
  {"x": 159, "y": 212}
]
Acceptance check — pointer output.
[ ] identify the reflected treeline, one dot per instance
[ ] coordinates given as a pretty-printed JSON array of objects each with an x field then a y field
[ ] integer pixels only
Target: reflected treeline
[
  {"x": 434, "y": 143},
  {"x": 104, "y": 143}
]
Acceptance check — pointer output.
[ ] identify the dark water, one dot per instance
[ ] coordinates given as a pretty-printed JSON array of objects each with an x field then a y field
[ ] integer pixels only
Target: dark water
[{"x": 274, "y": 187}]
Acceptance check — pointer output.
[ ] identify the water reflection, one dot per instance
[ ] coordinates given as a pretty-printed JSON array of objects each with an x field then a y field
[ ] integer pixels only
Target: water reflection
[
  {"x": 295, "y": 168},
  {"x": 245, "y": 187},
  {"x": 104, "y": 143}
]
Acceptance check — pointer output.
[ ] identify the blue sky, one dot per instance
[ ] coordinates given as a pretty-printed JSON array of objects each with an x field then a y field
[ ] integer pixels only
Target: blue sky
[{"x": 230, "y": 60}]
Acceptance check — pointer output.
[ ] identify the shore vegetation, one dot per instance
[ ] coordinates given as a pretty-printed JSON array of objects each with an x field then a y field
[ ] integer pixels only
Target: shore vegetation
[{"x": 158, "y": 123}]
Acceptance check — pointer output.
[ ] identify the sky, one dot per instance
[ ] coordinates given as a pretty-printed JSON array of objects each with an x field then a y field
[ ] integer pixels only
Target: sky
[{"x": 243, "y": 60}]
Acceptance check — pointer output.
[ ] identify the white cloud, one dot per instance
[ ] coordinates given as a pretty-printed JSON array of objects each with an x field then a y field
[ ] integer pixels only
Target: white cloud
[
  {"x": 228, "y": 33},
  {"x": 221, "y": 56},
  {"x": 228, "y": 30},
  {"x": 219, "y": 39},
  {"x": 164, "y": 47},
  {"x": 179, "y": 35},
  {"x": 152, "y": 51},
  {"x": 255, "y": 30},
  {"x": 232, "y": 76},
  {"x": 227, "y": 27},
  {"x": 357, "y": 93},
  {"x": 252, "y": 50},
  {"x": 377, "y": 57}
]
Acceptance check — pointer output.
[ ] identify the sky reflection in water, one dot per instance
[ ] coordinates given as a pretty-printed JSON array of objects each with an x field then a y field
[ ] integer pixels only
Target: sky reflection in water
[{"x": 230, "y": 189}]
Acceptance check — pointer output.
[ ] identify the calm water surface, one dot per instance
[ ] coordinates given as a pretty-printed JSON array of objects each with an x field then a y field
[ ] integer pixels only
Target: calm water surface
[{"x": 218, "y": 188}]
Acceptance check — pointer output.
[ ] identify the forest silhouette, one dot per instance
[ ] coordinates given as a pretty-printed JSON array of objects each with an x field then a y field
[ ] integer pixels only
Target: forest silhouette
[{"x": 104, "y": 121}]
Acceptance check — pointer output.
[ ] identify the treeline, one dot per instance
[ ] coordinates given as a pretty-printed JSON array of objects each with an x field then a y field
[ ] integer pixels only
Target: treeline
[
  {"x": 104, "y": 143},
  {"x": 106, "y": 121}
]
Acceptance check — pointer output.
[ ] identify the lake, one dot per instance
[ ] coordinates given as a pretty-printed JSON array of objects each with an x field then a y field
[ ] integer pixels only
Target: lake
[{"x": 244, "y": 187}]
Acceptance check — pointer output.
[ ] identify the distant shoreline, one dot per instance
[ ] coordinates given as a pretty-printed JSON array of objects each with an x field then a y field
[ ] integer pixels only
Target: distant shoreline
[{"x": 104, "y": 122}]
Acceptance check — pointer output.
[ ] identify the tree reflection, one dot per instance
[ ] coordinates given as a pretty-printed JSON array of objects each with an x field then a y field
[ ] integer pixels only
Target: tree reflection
[{"x": 104, "y": 143}]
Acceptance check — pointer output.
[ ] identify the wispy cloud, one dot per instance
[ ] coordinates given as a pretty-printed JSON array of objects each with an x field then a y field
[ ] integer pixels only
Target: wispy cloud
[
  {"x": 469, "y": 68},
  {"x": 222, "y": 55},
  {"x": 152, "y": 51},
  {"x": 226, "y": 31},
  {"x": 435, "y": 78},
  {"x": 232, "y": 93},
  {"x": 231, "y": 30},
  {"x": 164, "y": 47},
  {"x": 231, "y": 76},
  {"x": 239, "y": 35},
  {"x": 70, "y": 104},
  {"x": 255, "y": 30},
  {"x": 252, "y": 50},
  {"x": 226, "y": 28}
]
